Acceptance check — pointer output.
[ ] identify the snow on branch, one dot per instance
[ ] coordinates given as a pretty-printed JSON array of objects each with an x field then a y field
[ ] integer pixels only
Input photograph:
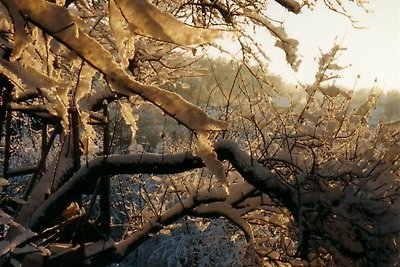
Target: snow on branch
[
  {"x": 55, "y": 176},
  {"x": 255, "y": 174},
  {"x": 205, "y": 203},
  {"x": 226, "y": 210},
  {"x": 288, "y": 45},
  {"x": 87, "y": 176},
  {"x": 57, "y": 22},
  {"x": 25, "y": 234},
  {"x": 159, "y": 164},
  {"x": 146, "y": 19},
  {"x": 29, "y": 75},
  {"x": 21, "y": 38}
]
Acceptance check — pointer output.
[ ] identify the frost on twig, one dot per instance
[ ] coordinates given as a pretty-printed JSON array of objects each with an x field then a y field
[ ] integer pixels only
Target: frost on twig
[
  {"x": 328, "y": 72},
  {"x": 205, "y": 203},
  {"x": 327, "y": 68},
  {"x": 343, "y": 7},
  {"x": 226, "y": 210},
  {"x": 288, "y": 45}
]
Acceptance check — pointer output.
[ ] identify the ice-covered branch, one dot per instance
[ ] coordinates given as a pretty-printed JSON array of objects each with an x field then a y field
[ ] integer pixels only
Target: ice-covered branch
[
  {"x": 60, "y": 169},
  {"x": 86, "y": 177},
  {"x": 205, "y": 203},
  {"x": 226, "y": 210},
  {"x": 59, "y": 24},
  {"x": 255, "y": 174}
]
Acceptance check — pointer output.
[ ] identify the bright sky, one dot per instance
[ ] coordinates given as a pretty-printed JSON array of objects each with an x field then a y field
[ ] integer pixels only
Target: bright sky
[{"x": 373, "y": 52}]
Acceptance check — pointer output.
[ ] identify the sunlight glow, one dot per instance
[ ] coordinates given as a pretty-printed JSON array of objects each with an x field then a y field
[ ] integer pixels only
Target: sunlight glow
[{"x": 373, "y": 53}]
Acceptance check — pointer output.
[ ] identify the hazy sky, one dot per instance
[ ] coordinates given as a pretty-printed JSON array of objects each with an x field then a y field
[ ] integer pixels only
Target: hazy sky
[{"x": 373, "y": 52}]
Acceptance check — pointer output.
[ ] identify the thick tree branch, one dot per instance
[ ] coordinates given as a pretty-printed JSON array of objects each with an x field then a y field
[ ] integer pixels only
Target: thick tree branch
[
  {"x": 69, "y": 34},
  {"x": 87, "y": 176},
  {"x": 60, "y": 170},
  {"x": 250, "y": 169},
  {"x": 219, "y": 204},
  {"x": 291, "y": 5},
  {"x": 257, "y": 175}
]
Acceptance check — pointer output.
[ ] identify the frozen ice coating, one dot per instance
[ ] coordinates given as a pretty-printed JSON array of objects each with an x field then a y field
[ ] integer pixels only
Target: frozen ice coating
[{"x": 146, "y": 19}]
